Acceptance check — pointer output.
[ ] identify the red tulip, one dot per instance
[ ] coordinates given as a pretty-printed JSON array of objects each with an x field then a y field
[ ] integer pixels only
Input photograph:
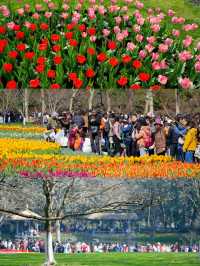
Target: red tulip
[
  {"x": 56, "y": 48},
  {"x": 144, "y": 76},
  {"x": 90, "y": 73},
  {"x": 34, "y": 83},
  {"x": 29, "y": 55},
  {"x": 137, "y": 64},
  {"x": 7, "y": 67},
  {"x": 72, "y": 76},
  {"x": 55, "y": 86},
  {"x": 91, "y": 51},
  {"x": 126, "y": 59},
  {"x": 112, "y": 45},
  {"x": 155, "y": 87},
  {"x": 73, "y": 42},
  {"x": 2, "y": 30},
  {"x": 91, "y": 31},
  {"x": 51, "y": 74},
  {"x": 82, "y": 27},
  {"x": 57, "y": 60},
  {"x": 113, "y": 61},
  {"x": 41, "y": 60},
  {"x": 55, "y": 37},
  {"x": 11, "y": 85},
  {"x": 20, "y": 35},
  {"x": 69, "y": 35},
  {"x": 122, "y": 81},
  {"x": 13, "y": 54},
  {"x": 44, "y": 26},
  {"x": 135, "y": 87},
  {"x": 78, "y": 83},
  {"x": 81, "y": 59},
  {"x": 21, "y": 47},
  {"x": 101, "y": 57},
  {"x": 40, "y": 68}
]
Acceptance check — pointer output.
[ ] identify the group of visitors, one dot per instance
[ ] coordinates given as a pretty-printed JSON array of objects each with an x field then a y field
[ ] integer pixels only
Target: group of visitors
[
  {"x": 97, "y": 247},
  {"x": 129, "y": 134}
]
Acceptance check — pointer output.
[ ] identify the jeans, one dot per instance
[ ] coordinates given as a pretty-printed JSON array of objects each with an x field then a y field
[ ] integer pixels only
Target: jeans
[
  {"x": 189, "y": 157},
  {"x": 95, "y": 142},
  {"x": 117, "y": 145}
]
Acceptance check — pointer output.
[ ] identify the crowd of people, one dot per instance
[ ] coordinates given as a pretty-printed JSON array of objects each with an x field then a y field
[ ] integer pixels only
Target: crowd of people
[
  {"x": 68, "y": 247},
  {"x": 128, "y": 134}
]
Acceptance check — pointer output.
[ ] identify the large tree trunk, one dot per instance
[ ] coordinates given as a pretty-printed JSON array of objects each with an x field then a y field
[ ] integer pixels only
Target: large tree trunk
[
  {"x": 71, "y": 104},
  {"x": 108, "y": 101},
  {"x": 149, "y": 106},
  {"x": 26, "y": 105},
  {"x": 43, "y": 102},
  {"x": 90, "y": 100},
  {"x": 58, "y": 233},
  {"x": 130, "y": 100},
  {"x": 50, "y": 260},
  {"x": 177, "y": 98}
]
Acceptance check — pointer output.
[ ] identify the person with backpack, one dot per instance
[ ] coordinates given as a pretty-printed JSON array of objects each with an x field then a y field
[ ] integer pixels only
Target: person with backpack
[{"x": 127, "y": 130}]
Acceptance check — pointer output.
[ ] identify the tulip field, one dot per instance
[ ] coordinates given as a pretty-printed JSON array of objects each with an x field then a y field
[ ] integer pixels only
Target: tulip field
[
  {"x": 100, "y": 45},
  {"x": 32, "y": 158}
]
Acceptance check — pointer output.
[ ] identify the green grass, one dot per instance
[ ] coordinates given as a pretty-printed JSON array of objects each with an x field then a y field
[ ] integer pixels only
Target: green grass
[{"x": 118, "y": 259}]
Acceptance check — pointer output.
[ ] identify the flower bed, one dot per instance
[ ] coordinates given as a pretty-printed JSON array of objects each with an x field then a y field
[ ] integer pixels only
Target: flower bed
[{"x": 59, "y": 46}]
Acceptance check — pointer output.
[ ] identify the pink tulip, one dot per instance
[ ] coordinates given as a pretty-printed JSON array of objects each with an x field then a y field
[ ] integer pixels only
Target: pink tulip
[
  {"x": 170, "y": 13},
  {"x": 197, "y": 67},
  {"x": 38, "y": 7},
  {"x": 10, "y": 25},
  {"x": 156, "y": 65},
  {"x": 154, "y": 20},
  {"x": 36, "y": 16},
  {"x": 93, "y": 38},
  {"x": 84, "y": 34},
  {"x": 178, "y": 20},
  {"x": 175, "y": 33},
  {"x": 187, "y": 41},
  {"x": 139, "y": 38},
  {"x": 65, "y": 7},
  {"x": 163, "y": 64},
  {"x": 106, "y": 32},
  {"x": 125, "y": 33},
  {"x": 136, "y": 28},
  {"x": 27, "y": 7},
  {"x": 150, "y": 11},
  {"x": 140, "y": 21},
  {"x": 142, "y": 54},
  {"x": 64, "y": 15},
  {"x": 130, "y": 46},
  {"x": 117, "y": 29},
  {"x": 51, "y": 5},
  {"x": 92, "y": 2},
  {"x": 149, "y": 48},
  {"x": 126, "y": 17},
  {"x": 197, "y": 57},
  {"x": 118, "y": 20},
  {"x": 151, "y": 39},
  {"x": 48, "y": 14},
  {"x": 184, "y": 56},
  {"x": 155, "y": 27},
  {"x": 163, "y": 48},
  {"x": 168, "y": 42},
  {"x": 139, "y": 5},
  {"x": 114, "y": 8},
  {"x": 101, "y": 10},
  {"x": 155, "y": 56},
  {"x": 27, "y": 24},
  {"x": 162, "y": 79},
  {"x": 190, "y": 27},
  {"x": 5, "y": 11},
  {"x": 120, "y": 37},
  {"x": 46, "y": 1},
  {"x": 78, "y": 7},
  {"x": 185, "y": 83}
]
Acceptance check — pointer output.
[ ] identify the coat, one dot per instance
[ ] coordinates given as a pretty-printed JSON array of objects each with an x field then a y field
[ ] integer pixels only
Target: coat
[
  {"x": 190, "y": 142},
  {"x": 143, "y": 135},
  {"x": 160, "y": 140}
]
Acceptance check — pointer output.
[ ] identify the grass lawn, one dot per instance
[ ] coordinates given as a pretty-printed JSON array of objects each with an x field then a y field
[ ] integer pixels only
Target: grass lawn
[{"x": 136, "y": 259}]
